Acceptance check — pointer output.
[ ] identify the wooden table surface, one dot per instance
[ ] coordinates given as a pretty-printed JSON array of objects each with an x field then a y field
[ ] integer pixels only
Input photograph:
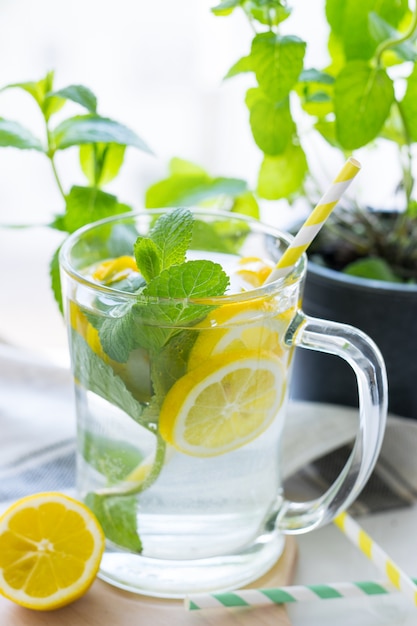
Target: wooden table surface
[{"x": 104, "y": 605}]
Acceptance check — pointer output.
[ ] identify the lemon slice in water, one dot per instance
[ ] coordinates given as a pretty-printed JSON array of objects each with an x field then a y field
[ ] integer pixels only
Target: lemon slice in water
[
  {"x": 240, "y": 326},
  {"x": 224, "y": 403}
]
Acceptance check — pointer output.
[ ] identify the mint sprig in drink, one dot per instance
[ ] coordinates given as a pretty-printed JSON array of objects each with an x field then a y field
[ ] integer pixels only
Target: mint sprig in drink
[{"x": 181, "y": 357}]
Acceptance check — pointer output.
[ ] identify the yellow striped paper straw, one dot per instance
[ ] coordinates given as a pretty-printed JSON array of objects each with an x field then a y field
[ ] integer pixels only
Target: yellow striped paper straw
[
  {"x": 376, "y": 554},
  {"x": 316, "y": 219}
]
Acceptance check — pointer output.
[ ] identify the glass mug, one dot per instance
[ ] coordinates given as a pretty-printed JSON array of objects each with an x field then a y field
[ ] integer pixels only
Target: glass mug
[{"x": 181, "y": 404}]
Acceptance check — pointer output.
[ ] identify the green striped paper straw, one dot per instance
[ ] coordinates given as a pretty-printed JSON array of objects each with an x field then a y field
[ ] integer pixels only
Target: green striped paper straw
[{"x": 283, "y": 595}]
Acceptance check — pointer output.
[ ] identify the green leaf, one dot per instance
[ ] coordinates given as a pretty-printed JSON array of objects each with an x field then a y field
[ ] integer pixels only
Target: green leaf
[
  {"x": 315, "y": 89},
  {"x": 101, "y": 162},
  {"x": 408, "y": 105},
  {"x": 278, "y": 62},
  {"x": 268, "y": 12},
  {"x": 246, "y": 204},
  {"x": 55, "y": 279},
  {"x": 79, "y": 94},
  {"x": 215, "y": 237},
  {"x": 91, "y": 128},
  {"x": 240, "y": 67},
  {"x": 349, "y": 20},
  {"x": 374, "y": 269},
  {"x": 117, "y": 334},
  {"x": 191, "y": 190},
  {"x": 13, "y": 135},
  {"x": 147, "y": 258},
  {"x": 225, "y": 7},
  {"x": 363, "y": 97},
  {"x": 271, "y": 123},
  {"x": 97, "y": 376},
  {"x": 315, "y": 76},
  {"x": 37, "y": 89},
  {"x": 327, "y": 129},
  {"x": 85, "y": 205},
  {"x": 170, "y": 363},
  {"x": 114, "y": 459},
  {"x": 172, "y": 235},
  {"x": 282, "y": 176},
  {"x": 191, "y": 280},
  {"x": 182, "y": 167},
  {"x": 117, "y": 516}
]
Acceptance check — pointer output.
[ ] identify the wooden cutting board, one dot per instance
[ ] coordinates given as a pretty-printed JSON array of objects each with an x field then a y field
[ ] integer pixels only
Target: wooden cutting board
[{"x": 105, "y": 605}]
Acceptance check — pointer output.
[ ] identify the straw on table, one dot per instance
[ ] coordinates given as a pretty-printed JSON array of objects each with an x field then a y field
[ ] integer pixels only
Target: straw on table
[
  {"x": 377, "y": 555},
  {"x": 287, "y": 594},
  {"x": 316, "y": 219}
]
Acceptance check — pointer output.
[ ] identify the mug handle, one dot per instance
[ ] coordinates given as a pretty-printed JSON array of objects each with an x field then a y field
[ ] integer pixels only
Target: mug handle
[{"x": 364, "y": 357}]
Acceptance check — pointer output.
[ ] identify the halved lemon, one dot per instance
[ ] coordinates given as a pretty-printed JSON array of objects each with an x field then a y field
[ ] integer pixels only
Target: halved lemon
[
  {"x": 50, "y": 551},
  {"x": 224, "y": 403}
]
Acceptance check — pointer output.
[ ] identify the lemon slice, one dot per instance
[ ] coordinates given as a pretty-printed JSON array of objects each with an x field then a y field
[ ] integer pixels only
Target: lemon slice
[
  {"x": 224, "y": 403},
  {"x": 239, "y": 326},
  {"x": 50, "y": 551},
  {"x": 253, "y": 270}
]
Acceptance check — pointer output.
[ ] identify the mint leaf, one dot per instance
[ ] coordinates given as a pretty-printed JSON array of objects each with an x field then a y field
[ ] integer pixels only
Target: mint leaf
[
  {"x": 191, "y": 280},
  {"x": 170, "y": 363},
  {"x": 92, "y": 128},
  {"x": 278, "y": 62},
  {"x": 271, "y": 123},
  {"x": 147, "y": 257},
  {"x": 283, "y": 175},
  {"x": 112, "y": 458},
  {"x": 97, "y": 376},
  {"x": 363, "y": 97},
  {"x": 117, "y": 334},
  {"x": 246, "y": 204},
  {"x": 349, "y": 20},
  {"x": 166, "y": 244},
  {"x": 374, "y": 269},
  {"x": 101, "y": 162},
  {"x": 240, "y": 67},
  {"x": 191, "y": 190},
  {"x": 117, "y": 516},
  {"x": 225, "y": 7},
  {"x": 79, "y": 94},
  {"x": 172, "y": 235},
  {"x": 312, "y": 75},
  {"x": 14, "y": 135},
  {"x": 55, "y": 278},
  {"x": 85, "y": 205}
]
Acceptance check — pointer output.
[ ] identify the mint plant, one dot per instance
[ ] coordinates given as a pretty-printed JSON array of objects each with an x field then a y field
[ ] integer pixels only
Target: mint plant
[
  {"x": 101, "y": 142},
  {"x": 366, "y": 92}
]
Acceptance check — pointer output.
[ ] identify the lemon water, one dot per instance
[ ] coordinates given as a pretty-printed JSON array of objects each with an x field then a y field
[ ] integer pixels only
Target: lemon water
[{"x": 204, "y": 508}]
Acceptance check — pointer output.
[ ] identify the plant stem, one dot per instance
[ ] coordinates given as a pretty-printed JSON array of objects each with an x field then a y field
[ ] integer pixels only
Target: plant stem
[
  {"x": 51, "y": 154},
  {"x": 130, "y": 489},
  {"x": 395, "y": 41}
]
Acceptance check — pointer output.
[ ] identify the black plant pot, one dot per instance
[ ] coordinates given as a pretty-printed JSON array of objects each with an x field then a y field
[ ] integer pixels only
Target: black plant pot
[{"x": 387, "y": 312}]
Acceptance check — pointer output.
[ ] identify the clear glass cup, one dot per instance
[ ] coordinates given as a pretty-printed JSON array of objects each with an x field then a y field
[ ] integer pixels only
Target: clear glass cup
[{"x": 180, "y": 416}]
